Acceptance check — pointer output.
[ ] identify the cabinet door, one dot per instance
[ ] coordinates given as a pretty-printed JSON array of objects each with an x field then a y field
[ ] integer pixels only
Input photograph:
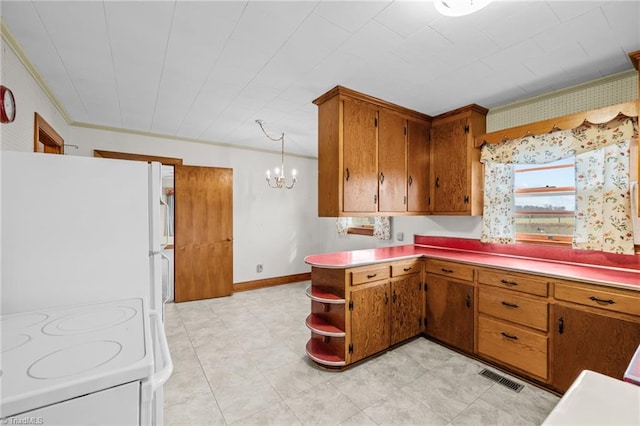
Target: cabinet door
[
  {"x": 450, "y": 169},
  {"x": 449, "y": 313},
  {"x": 406, "y": 307},
  {"x": 369, "y": 319},
  {"x": 418, "y": 167},
  {"x": 360, "y": 163},
  {"x": 588, "y": 341},
  {"x": 392, "y": 161}
]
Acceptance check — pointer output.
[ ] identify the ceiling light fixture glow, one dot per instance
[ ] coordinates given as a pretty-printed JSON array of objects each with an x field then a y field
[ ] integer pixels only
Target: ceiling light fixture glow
[{"x": 459, "y": 7}]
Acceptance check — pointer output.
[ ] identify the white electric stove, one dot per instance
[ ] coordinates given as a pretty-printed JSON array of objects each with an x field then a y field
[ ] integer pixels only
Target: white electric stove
[{"x": 80, "y": 364}]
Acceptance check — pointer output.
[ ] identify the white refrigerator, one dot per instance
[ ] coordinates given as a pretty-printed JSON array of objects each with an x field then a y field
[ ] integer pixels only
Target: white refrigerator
[{"x": 82, "y": 291}]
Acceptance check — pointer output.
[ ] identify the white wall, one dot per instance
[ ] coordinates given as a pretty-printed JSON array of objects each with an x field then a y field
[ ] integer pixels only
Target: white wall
[{"x": 18, "y": 136}]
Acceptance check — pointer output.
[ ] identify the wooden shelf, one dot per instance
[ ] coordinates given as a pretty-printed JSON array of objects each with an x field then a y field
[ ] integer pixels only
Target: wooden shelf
[
  {"x": 321, "y": 354},
  {"x": 319, "y": 326},
  {"x": 322, "y": 296}
]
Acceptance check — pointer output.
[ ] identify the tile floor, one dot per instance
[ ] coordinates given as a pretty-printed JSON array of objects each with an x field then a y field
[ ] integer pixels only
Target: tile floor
[{"x": 240, "y": 360}]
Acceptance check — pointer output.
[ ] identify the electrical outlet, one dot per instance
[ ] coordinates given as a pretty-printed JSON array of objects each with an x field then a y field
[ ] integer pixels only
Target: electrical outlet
[
  {"x": 400, "y": 236},
  {"x": 259, "y": 267}
]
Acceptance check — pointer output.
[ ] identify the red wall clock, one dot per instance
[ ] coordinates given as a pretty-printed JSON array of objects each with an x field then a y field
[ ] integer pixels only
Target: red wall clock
[{"x": 7, "y": 105}]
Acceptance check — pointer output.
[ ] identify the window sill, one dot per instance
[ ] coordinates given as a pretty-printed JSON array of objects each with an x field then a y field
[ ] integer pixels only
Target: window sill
[
  {"x": 544, "y": 239},
  {"x": 362, "y": 230}
]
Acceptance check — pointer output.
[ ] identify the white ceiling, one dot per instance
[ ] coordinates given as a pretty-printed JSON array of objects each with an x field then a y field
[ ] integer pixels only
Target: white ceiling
[{"x": 208, "y": 69}]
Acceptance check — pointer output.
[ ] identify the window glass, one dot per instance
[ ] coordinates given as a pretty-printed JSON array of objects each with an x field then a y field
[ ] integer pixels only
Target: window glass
[{"x": 545, "y": 201}]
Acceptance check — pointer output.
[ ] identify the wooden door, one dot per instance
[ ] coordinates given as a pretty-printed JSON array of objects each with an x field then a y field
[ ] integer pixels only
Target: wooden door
[
  {"x": 369, "y": 319},
  {"x": 406, "y": 307},
  {"x": 589, "y": 341},
  {"x": 392, "y": 161},
  {"x": 203, "y": 232},
  {"x": 418, "y": 167},
  {"x": 360, "y": 158},
  {"x": 449, "y": 314},
  {"x": 450, "y": 170}
]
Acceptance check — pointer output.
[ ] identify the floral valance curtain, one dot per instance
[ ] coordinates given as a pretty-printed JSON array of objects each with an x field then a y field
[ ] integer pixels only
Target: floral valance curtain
[
  {"x": 603, "y": 220},
  {"x": 381, "y": 227}
]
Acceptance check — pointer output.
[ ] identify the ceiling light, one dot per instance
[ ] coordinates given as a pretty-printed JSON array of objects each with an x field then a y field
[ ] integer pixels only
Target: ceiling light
[
  {"x": 460, "y": 7},
  {"x": 279, "y": 181}
]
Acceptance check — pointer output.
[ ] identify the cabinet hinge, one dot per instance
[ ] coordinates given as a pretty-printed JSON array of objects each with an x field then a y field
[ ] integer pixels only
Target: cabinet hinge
[
  {"x": 466, "y": 128},
  {"x": 375, "y": 122},
  {"x": 405, "y": 130},
  {"x": 405, "y": 200},
  {"x": 351, "y": 305},
  {"x": 350, "y": 348},
  {"x": 426, "y": 287},
  {"x": 425, "y": 323},
  {"x": 429, "y": 200},
  {"x": 466, "y": 199},
  {"x": 375, "y": 198}
]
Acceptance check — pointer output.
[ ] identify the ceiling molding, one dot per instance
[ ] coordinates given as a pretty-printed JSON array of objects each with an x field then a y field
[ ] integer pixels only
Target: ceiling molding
[
  {"x": 183, "y": 139},
  {"x": 17, "y": 49}
]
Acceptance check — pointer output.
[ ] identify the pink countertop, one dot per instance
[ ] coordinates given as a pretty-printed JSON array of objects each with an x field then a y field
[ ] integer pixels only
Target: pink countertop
[{"x": 623, "y": 277}]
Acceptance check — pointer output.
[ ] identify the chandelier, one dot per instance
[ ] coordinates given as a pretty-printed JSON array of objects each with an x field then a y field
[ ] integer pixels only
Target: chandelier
[{"x": 279, "y": 181}]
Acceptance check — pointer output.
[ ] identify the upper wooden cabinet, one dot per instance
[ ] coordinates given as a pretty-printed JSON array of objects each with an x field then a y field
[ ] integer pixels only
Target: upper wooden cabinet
[
  {"x": 373, "y": 156},
  {"x": 456, "y": 172}
]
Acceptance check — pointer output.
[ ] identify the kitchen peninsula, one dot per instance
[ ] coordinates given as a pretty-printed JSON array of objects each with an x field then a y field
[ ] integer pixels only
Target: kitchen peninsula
[{"x": 541, "y": 312}]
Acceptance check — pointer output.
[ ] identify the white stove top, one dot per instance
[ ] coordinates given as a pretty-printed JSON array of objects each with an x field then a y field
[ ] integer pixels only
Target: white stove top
[{"x": 53, "y": 355}]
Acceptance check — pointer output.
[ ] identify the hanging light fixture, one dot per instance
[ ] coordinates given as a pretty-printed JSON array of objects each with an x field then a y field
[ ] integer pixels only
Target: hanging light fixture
[
  {"x": 279, "y": 180},
  {"x": 459, "y": 7}
]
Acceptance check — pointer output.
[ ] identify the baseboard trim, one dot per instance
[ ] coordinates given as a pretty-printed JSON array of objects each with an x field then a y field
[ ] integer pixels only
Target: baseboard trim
[{"x": 270, "y": 282}]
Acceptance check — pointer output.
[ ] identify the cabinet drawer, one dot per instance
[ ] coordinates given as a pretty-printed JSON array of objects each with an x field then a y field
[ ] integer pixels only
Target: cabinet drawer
[
  {"x": 513, "y": 345},
  {"x": 367, "y": 275},
  {"x": 454, "y": 270},
  {"x": 513, "y": 282},
  {"x": 405, "y": 268},
  {"x": 599, "y": 297},
  {"x": 510, "y": 306}
]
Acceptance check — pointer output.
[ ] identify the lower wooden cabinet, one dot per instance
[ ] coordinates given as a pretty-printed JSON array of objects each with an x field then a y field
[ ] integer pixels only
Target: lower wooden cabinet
[
  {"x": 586, "y": 340},
  {"x": 406, "y": 307},
  {"x": 370, "y": 325},
  {"x": 545, "y": 330},
  {"x": 514, "y": 346},
  {"x": 449, "y": 311}
]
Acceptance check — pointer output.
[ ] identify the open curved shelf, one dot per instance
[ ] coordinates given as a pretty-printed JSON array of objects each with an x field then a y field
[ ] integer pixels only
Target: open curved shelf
[
  {"x": 321, "y": 354},
  {"x": 319, "y": 326},
  {"x": 323, "y": 296}
]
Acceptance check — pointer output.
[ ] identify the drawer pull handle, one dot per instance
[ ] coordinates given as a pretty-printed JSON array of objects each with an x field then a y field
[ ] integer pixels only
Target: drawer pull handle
[
  {"x": 510, "y": 305},
  {"x": 505, "y": 282},
  {"x": 602, "y": 301},
  {"x": 406, "y": 269},
  {"x": 371, "y": 276},
  {"x": 448, "y": 271},
  {"x": 508, "y": 336},
  {"x": 468, "y": 301}
]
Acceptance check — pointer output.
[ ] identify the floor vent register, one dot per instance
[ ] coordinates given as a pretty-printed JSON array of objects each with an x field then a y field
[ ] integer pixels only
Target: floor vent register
[{"x": 516, "y": 387}]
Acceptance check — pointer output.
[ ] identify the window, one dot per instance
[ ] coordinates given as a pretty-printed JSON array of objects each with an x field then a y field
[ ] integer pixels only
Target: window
[
  {"x": 360, "y": 225},
  {"x": 545, "y": 201}
]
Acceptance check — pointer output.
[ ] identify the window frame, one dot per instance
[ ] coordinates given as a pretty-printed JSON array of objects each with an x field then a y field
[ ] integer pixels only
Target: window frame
[{"x": 533, "y": 238}]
